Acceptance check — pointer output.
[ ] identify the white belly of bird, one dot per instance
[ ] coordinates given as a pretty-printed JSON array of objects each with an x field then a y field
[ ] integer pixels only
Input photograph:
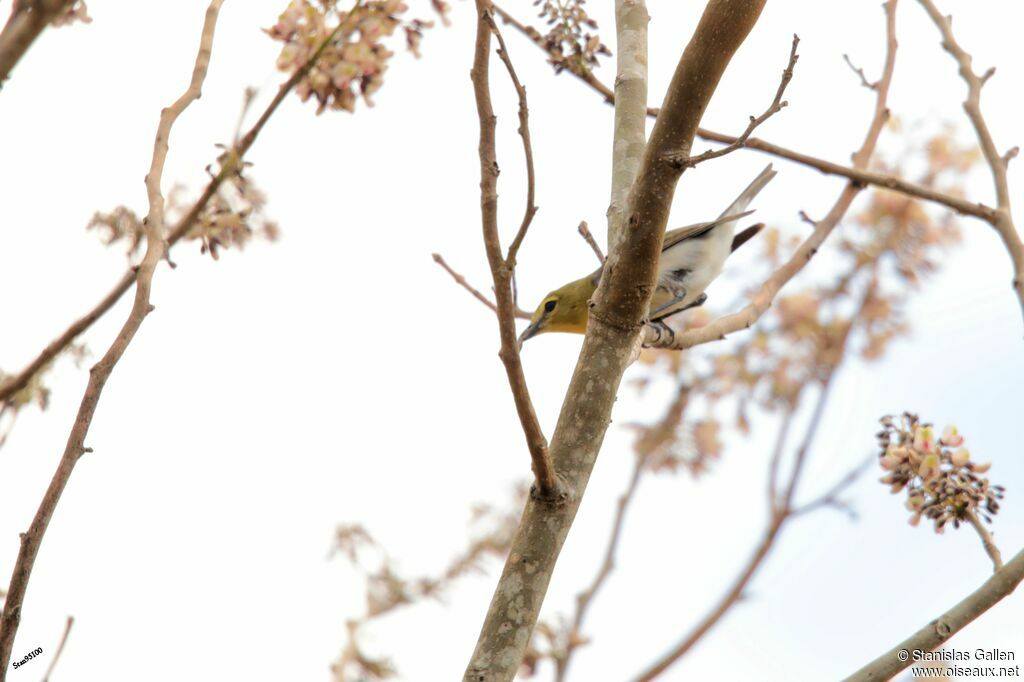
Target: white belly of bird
[{"x": 704, "y": 258}]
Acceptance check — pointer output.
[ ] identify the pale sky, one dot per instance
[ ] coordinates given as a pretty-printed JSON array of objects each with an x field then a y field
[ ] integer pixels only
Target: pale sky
[{"x": 339, "y": 376}]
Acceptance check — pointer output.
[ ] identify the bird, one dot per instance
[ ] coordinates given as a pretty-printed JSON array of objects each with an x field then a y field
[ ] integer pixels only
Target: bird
[{"x": 691, "y": 258}]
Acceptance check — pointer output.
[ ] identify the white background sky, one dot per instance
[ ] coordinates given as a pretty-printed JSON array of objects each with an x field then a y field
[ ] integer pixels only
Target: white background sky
[{"x": 338, "y": 375}]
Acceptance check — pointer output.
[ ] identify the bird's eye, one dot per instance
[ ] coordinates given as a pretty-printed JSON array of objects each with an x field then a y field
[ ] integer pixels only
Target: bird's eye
[{"x": 550, "y": 305}]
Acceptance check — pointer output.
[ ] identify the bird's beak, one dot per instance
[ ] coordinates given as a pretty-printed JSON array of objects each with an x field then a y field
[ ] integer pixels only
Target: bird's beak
[{"x": 529, "y": 333}]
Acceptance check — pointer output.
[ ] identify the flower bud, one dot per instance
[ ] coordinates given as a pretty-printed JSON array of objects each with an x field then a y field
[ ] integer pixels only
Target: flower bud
[{"x": 960, "y": 457}]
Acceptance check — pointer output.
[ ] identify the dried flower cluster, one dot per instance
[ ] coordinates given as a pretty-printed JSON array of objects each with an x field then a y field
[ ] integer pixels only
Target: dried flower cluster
[
  {"x": 235, "y": 214},
  {"x": 232, "y": 217},
  {"x": 941, "y": 481},
  {"x": 387, "y": 590},
  {"x": 354, "y": 58},
  {"x": 569, "y": 42}
]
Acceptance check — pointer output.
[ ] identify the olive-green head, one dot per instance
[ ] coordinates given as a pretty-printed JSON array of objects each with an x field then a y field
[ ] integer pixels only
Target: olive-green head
[{"x": 563, "y": 310}]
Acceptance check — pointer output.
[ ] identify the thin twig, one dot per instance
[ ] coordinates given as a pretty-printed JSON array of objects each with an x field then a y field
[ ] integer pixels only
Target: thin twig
[
  {"x": 98, "y": 375},
  {"x": 651, "y": 440},
  {"x": 524, "y": 133},
  {"x": 830, "y": 498},
  {"x": 778, "y": 104},
  {"x": 589, "y": 239},
  {"x": 858, "y": 175},
  {"x": 501, "y": 272},
  {"x": 231, "y": 162},
  {"x": 718, "y": 329},
  {"x": 986, "y": 539},
  {"x": 586, "y": 597},
  {"x": 1003, "y": 222},
  {"x": 774, "y": 503},
  {"x": 27, "y": 20},
  {"x": 474, "y": 292},
  {"x": 939, "y": 630},
  {"x": 860, "y": 72},
  {"x": 60, "y": 649},
  {"x": 461, "y": 281}
]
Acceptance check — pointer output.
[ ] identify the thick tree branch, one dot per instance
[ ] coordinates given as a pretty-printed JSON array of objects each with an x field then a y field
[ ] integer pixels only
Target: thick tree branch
[
  {"x": 230, "y": 164},
  {"x": 937, "y": 632},
  {"x": 98, "y": 375},
  {"x": 501, "y": 269},
  {"x": 762, "y": 300},
  {"x": 857, "y": 175},
  {"x": 28, "y": 19},
  {"x": 629, "y": 132},
  {"x": 621, "y": 302},
  {"x": 1003, "y": 222}
]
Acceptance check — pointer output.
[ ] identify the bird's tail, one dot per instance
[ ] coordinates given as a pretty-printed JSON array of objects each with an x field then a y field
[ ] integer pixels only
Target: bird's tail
[{"x": 747, "y": 195}]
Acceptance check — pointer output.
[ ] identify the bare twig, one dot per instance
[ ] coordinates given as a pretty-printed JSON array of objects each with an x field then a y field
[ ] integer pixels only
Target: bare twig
[
  {"x": 231, "y": 162},
  {"x": 860, "y": 72},
  {"x": 591, "y": 242},
  {"x": 830, "y": 498},
  {"x": 501, "y": 270},
  {"x": 524, "y": 133},
  {"x": 98, "y": 375},
  {"x": 718, "y": 329},
  {"x": 28, "y": 19},
  {"x": 474, "y": 292},
  {"x": 774, "y": 503},
  {"x": 858, "y": 175},
  {"x": 1003, "y": 221},
  {"x": 586, "y": 597},
  {"x": 939, "y": 630},
  {"x": 777, "y": 105},
  {"x": 986, "y": 539},
  {"x": 461, "y": 281},
  {"x": 728, "y": 600},
  {"x": 60, "y": 649}
]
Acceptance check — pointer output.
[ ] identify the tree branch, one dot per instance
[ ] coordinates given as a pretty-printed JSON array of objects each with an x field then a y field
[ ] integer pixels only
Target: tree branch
[
  {"x": 501, "y": 269},
  {"x": 629, "y": 132},
  {"x": 857, "y": 175},
  {"x": 998, "y": 163},
  {"x": 524, "y": 133},
  {"x": 620, "y": 303},
  {"x": 939, "y": 630},
  {"x": 591, "y": 242},
  {"x": 474, "y": 292},
  {"x": 60, "y": 648},
  {"x": 657, "y": 337},
  {"x": 777, "y": 105},
  {"x": 231, "y": 162},
  {"x": 28, "y": 19},
  {"x": 98, "y": 375},
  {"x": 986, "y": 539}
]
